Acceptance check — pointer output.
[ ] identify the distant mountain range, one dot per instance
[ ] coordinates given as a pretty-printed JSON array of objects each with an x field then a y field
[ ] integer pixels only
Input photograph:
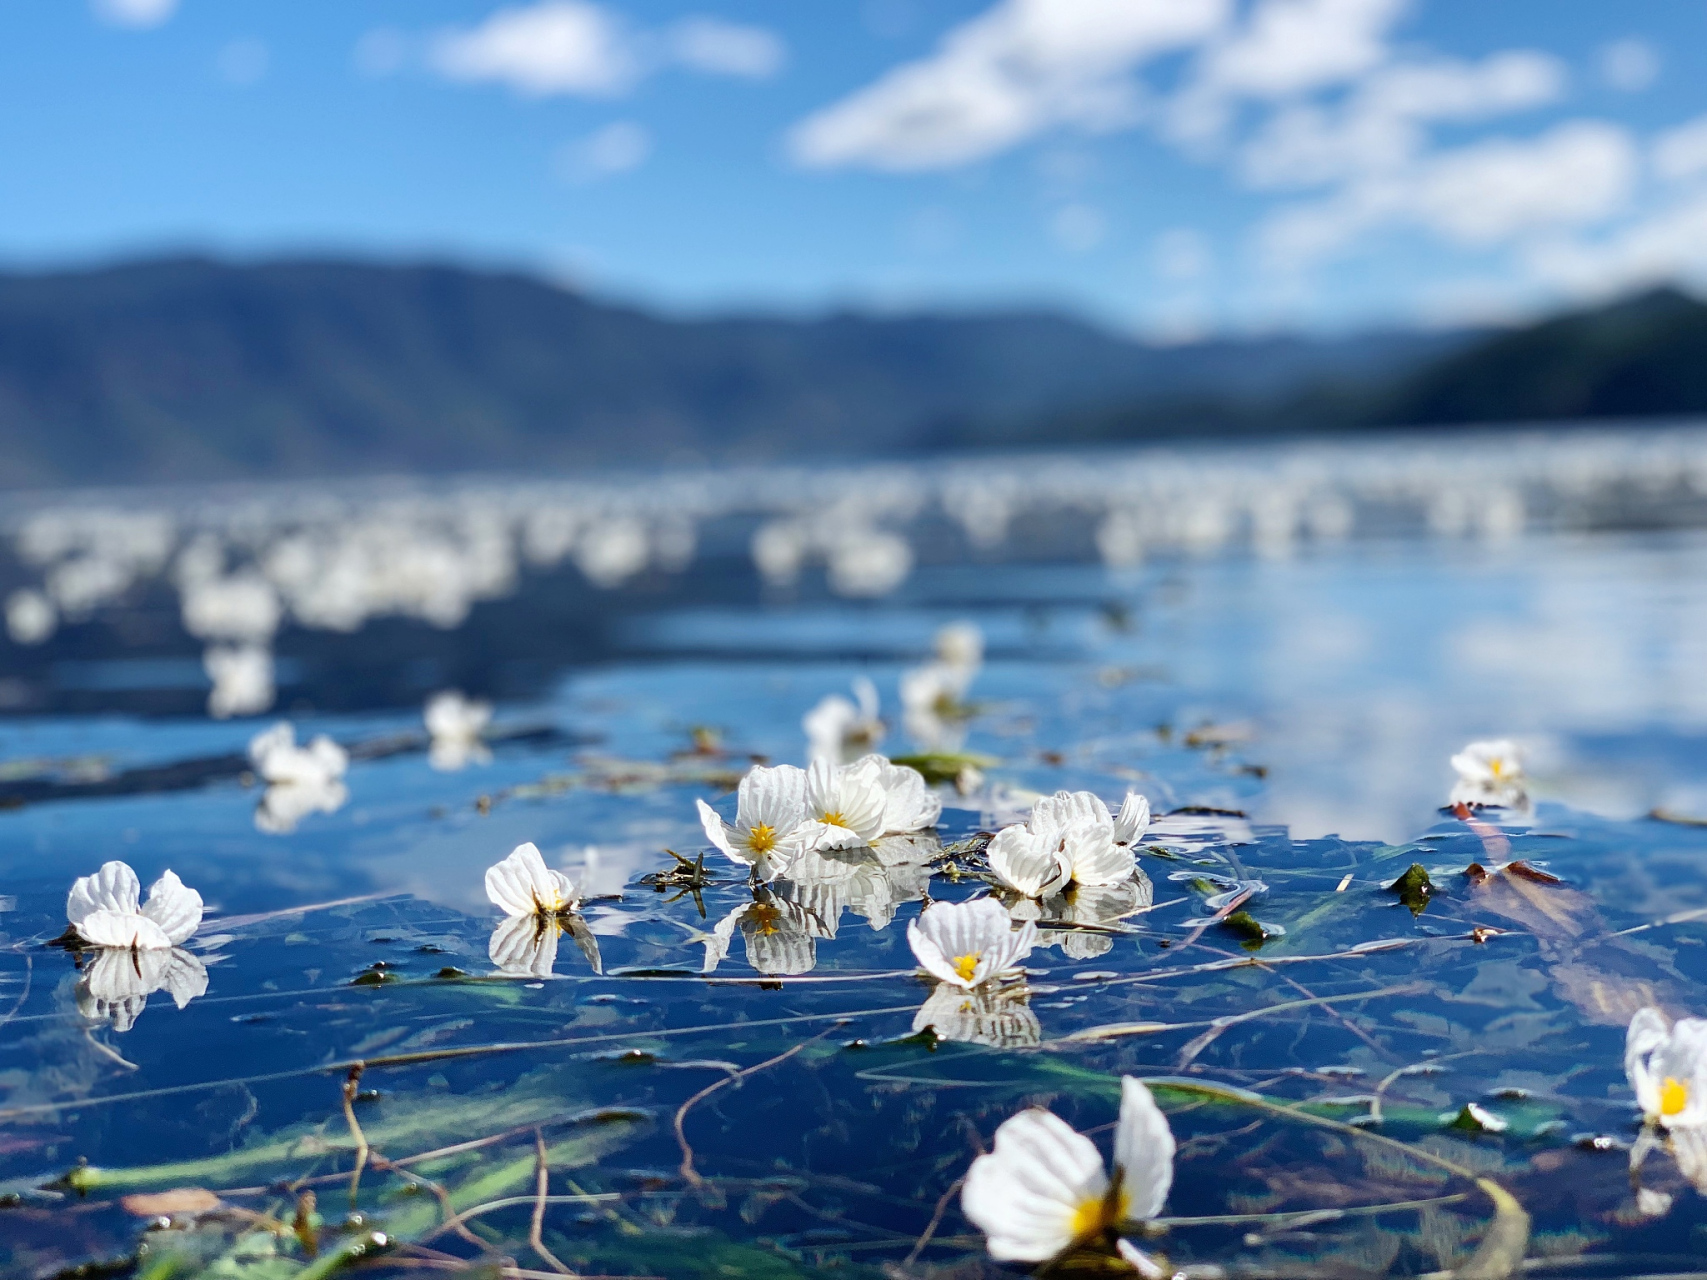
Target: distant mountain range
[{"x": 191, "y": 369}]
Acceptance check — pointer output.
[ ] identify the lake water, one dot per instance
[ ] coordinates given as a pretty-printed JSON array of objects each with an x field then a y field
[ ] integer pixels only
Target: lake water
[{"x": 726, "y": 1079}]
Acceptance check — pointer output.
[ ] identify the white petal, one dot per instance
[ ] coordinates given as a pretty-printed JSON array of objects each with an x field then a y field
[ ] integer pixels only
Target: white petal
[
  {"x": 773, "y": 797},
  {"x": 1146, "y": 1266},
  {"x": 123, "y": 930},
  {"x": 1025, "y": 861},
  {"x": 1648, "y": 1033},
  {"x": 1132, "y": 820},
  {"x": 185, "y": 978},
  {"x": 931, "y": 958},
  {"x": 1685, "y": 1058},
  {"x": 332, "y": 759},
  {"x": 1689, "y": 1149},
  {"x": 721, "y": 836},
  {"x": 1065, "y": 808},
  {"x": 175, "y": 907},
  {"x": 1095, "y": 859},
  {"x": 908, "y": 803},
  {"x": 999, "y": 1017},
  {"x": 265, "y": 746},
  {"x": 524, "y": 946},
  {"x": 1143, "y": 1151},
  {"x": 1025, "y": 1194},
  {"x": 113, "y": 888}
]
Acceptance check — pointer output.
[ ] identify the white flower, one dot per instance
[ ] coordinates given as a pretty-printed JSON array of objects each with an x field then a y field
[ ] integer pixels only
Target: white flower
[
  {"x": 1667, "y": 1068},
  {"x": 242, "y": 678},
  {"x": 1132, "y": 820},
  {"x": 1000, "y": 1017},
  {"x": 909, "y": 805},
  {"x": 961, "y": 645},
  {"x": 931, "y": 708},
  {"x": 837, "y": 730},
  {"x": 969, "y": 943},
  {"x": 770, "y": 808},
  {"x": 522, "y": 885},
  {"x": 103, "y": 909},
  {"x": 454, "y": 725},
  {"x": 845, "y": 805},
  {"x": 1069, "y": 839},
  {"x": 1043, "y": 1188},
  {"x": 278, "y": 760},
  {"x": 115, "y": 988},
  {"x": 1490, "y": 773}
]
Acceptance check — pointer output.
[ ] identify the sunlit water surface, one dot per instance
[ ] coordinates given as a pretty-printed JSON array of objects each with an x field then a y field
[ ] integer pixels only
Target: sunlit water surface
[{"x": 1312, "y": 700}]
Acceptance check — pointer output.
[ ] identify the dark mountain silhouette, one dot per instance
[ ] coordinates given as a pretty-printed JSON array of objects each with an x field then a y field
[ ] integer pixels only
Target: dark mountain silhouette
[
  {"x": 190, "y": 369},
  {"x": 1644, "y": 357}
]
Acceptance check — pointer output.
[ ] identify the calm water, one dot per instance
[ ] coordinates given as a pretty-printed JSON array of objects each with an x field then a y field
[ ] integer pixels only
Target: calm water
[{"x": 1314, "y": 700}]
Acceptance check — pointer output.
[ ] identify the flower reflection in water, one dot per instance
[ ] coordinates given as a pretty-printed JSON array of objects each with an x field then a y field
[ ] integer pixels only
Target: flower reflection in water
[
  {"x": 526, "y": 946},
  {"x": 1090, "y": 911},
  {"x": 781, "y": 936},
  {"x": 997, "y": 1016},
  {"x": 115, "y": 988}
]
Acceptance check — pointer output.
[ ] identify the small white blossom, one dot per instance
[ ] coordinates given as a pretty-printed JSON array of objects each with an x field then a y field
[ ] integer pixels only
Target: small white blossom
[
  {"x": 967, "y": 944},
  {"x": 104, "y": 910},
  {"x": 961, "y": 645},
  {"x": 770, "y": 810},
  {"x": 909, "y": 805},
  {"x": 522, "y": 885},
  {"x": 301, "y": 780},
  {"x": 845, "y": 805},
  {"x": 1070, "y": 838},
  {"x": 1043, "y": 1187},
  {"x": 838, "y": 731},
  {"x": 1491, "y": 773},
  {"x": 454, "y": 726},
  {"x": 242, "y": 678},
  {"x": 1667, "y": 1068}
]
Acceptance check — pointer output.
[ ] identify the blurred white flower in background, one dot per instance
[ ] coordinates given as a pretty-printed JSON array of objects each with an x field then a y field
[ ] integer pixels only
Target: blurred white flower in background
[
  {"x": 242, "y": 678},
  {"x": 454, "y": 726},
  {"x": 1666, "y": 1064},
  {"x": 30, "y": 617},
  {"x": 1491, "y": 773},
  {"x": 300, "y": 780},
  {"x": 840, "y": 731}
]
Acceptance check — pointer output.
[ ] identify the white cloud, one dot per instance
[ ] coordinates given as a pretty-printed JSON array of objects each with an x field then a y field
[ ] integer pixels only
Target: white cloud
[
  {"x": 1681, "y": 153},
  {"x": 1629, "y": 65},
  {"x": 1382, "y": 125},
  {"x": 1479, "y": 196},
  {"x": 1665, "y": 246},
  {"x": 134, "y": 13},
  {"x": 1019, "y": 68},
  {"x": 619, "y": 147},
  {"x": 724, "y": 48},
  {"x": 1183, "y": 254},
  {"x": 1285, "y": 49},
  {"x": 243, "y": 62},
  {"x": 554, "y": 47}
]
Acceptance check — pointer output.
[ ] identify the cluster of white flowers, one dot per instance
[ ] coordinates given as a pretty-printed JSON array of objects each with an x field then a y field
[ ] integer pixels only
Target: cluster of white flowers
[
  {"x": 1070, "y": 839},
  {"x": 934, "y": 707}
]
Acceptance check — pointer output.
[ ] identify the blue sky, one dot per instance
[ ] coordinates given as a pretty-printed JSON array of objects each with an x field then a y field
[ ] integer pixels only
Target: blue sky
[{"x": 1175, "y": 167}]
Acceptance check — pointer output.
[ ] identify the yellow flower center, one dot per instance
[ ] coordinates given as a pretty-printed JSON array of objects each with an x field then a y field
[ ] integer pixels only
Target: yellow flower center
[
  {"x": 765, "y": 917},
  {"x": 967, "y": 965},
  {"x": 1093, "y": 1217},
  {"x": 1674, "y": 1097},
  {"x": 1496, "y": 766},
  {"x": 834, "y": 819},
  {"x": 761, "y": 839}
]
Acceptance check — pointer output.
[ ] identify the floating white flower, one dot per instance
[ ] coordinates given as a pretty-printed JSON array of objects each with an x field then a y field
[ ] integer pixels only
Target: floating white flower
[
  {"x": 1491, "y": 773},
  {"x": 522, "y": 885},
  {"x": 967, "y": 944},
  {"x": 539, "y": 906},
  {"x": 961, "y": 645},
  {"x": 1667, "y": 1068},
  {"x": 104, "y": 910},
  {"x": 115, "y": 988},
  {"x": 1043, "y": 1188},
  {"x": 770, "y": 809},
  {"x": 845, "y": 805},
  {"x": 1000, "y": 1017},
  {"x": 301, "y": 780},
  {"x": 838, "y": 731},
  {"x": 909, "y": 805},
  {"x": 931, "y": 708},
  {"x": 242, "y": 678},
  {"x": 279, "y": 761},
  {"x": 1132, "y": 820},
  {"x": 454, "y": 725},
  {"x": 1070, "y": 838}
]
